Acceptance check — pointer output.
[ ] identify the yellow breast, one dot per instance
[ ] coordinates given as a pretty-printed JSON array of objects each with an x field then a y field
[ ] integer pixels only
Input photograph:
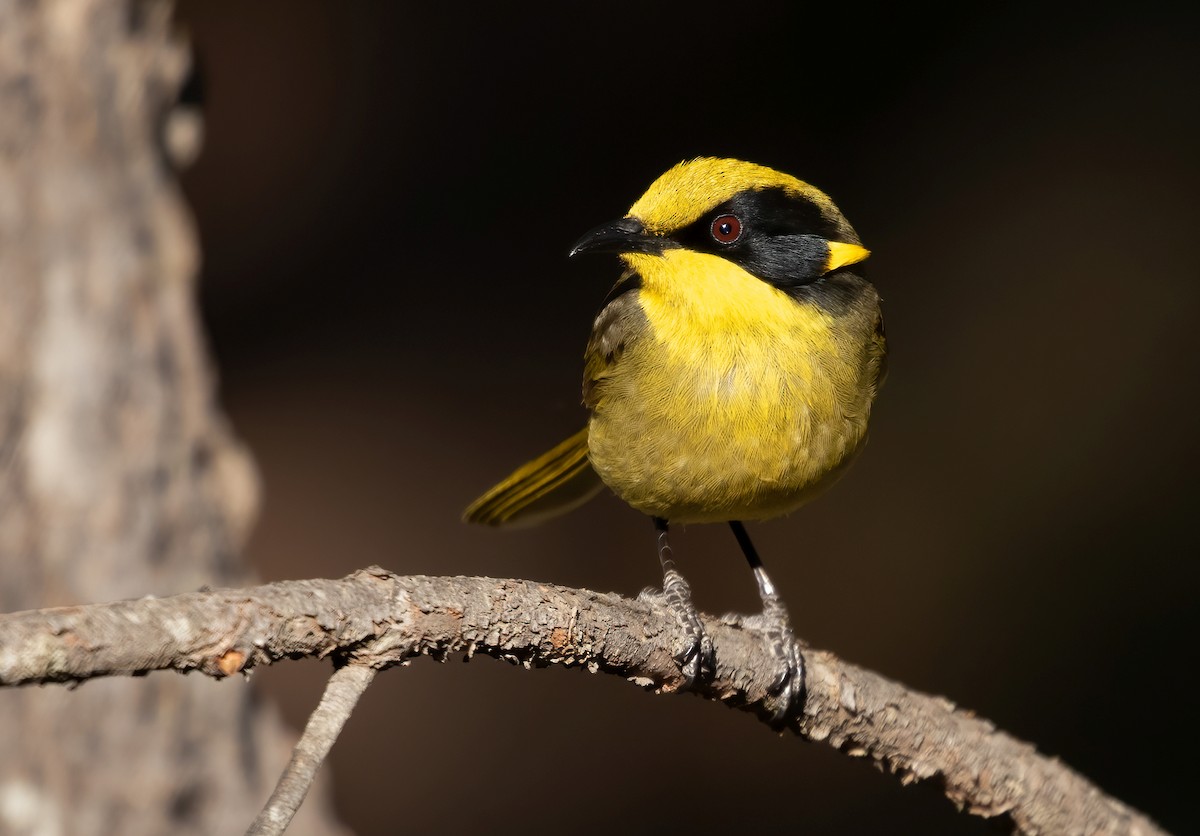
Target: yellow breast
[{"x": 738, "y": 402}]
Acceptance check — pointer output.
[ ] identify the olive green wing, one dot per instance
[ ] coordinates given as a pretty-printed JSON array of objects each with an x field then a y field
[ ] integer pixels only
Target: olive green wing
[
  {"x": 552, "y": 484},
  {"x": 620, "y": 323}
]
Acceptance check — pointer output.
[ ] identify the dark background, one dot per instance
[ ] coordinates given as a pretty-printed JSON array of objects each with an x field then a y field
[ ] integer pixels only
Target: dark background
[{"x": 385, "y": 201}]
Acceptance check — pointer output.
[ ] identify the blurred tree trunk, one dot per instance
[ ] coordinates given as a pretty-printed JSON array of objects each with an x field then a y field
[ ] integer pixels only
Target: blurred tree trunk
[{"x": 118, "y": 476}]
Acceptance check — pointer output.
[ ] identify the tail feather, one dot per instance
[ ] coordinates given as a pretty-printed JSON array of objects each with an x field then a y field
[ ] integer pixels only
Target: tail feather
[{"x": 552, "y": 484}]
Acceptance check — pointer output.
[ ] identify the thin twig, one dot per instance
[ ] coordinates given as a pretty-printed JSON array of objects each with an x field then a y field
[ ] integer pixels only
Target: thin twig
[
  {"x": 341, "y": 695},
  {"x": 389, "y": 619}
]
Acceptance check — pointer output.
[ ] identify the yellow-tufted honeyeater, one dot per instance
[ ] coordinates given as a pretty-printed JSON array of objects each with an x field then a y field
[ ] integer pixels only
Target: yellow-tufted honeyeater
[{"x": 730, "y": 374}]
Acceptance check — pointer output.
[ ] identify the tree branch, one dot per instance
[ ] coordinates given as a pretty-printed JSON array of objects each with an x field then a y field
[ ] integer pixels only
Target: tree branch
[
  {"x": 378, "y": 619},
  {"x": 341, "y": 695}
]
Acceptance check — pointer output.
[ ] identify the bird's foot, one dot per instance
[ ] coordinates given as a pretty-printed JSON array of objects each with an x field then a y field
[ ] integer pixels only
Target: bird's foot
[
  {"x": 694, "y": 651},
  {"x": 786, "y": 691}
]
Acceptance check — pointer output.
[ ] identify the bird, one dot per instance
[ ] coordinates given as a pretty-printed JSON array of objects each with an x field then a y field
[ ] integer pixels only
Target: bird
[{"x": 729, "y": 377}]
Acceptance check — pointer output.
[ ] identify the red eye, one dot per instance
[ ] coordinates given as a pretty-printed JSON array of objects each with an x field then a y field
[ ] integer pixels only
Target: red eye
[{"x": 726, "y": 229}]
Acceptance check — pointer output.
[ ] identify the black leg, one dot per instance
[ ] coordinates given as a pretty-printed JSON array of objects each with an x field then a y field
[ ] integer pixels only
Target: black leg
[
  {"x": 788, "y": 687},
  {"x": 695, "y": 654}
]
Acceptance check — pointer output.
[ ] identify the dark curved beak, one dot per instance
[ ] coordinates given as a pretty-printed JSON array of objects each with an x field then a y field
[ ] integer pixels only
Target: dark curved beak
[{"x": 624, "y": 236}]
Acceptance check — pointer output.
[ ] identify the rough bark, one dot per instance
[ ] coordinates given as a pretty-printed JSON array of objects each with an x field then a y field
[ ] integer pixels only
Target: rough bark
[
  {"x": 118, "y": 476},
  {"x": 373, "y": 618}
]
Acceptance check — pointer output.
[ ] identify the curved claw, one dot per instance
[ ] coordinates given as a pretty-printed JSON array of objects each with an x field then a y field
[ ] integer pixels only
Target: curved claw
[
  {"x": 787, "y": 689},
  {"x": 785, "y": 694},
  {"x": 695, "y": 654},
  {"x": 697, "y": 660}
]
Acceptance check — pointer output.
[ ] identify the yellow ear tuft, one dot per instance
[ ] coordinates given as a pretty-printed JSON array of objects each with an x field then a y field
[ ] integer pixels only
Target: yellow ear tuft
[{"x": 841, "y": 254}]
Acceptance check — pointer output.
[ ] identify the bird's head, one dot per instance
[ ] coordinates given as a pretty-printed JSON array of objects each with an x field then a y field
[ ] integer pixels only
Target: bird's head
[{"x": 776, "y": 227}]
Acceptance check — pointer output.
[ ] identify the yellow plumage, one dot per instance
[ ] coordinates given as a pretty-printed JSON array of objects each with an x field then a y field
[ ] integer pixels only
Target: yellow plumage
[
  {"x": 685, "y": 192},
  {"x": 736, "y": 402}
]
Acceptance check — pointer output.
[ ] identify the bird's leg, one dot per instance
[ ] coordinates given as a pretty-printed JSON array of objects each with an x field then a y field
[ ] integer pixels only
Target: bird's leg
[
  {"x": 695, "y": 656},
  {"x": 788, "y": 686}
]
